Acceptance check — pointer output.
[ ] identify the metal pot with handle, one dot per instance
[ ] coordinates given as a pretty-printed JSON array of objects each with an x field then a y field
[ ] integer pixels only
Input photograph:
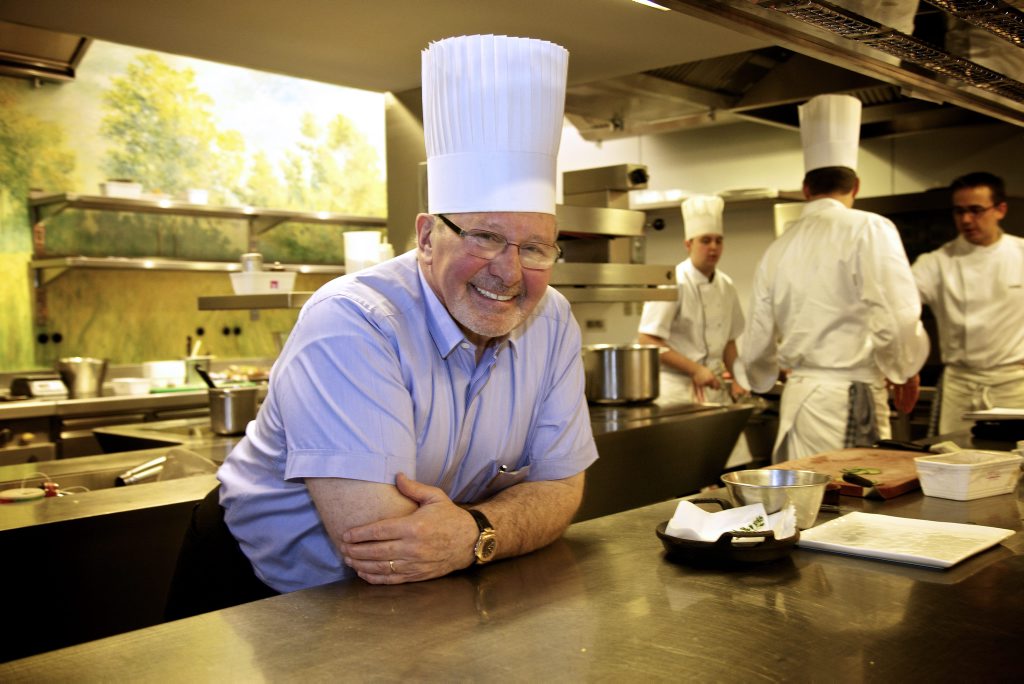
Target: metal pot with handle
[{"x": 621, "y": 374}]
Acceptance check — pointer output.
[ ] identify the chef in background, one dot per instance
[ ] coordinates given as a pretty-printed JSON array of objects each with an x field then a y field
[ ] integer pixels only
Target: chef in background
[
  {"x": 698, "y": 333},
  {"x": 975, "y": 286},
  {"x": 833, "y": 303}
]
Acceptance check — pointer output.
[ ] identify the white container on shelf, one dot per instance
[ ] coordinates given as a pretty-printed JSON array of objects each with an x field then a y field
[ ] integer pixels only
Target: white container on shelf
[
  {"x": 121, "y": 188},
  {"x": 130, "y": 386},
  {"x": 262, "y": 282},
  {"x": 362, "y": 249},
  {"x": 969, "y": 474}
]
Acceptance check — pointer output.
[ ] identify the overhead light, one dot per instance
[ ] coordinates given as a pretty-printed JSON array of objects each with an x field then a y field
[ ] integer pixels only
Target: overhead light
[{"x": 649, "y": 3}]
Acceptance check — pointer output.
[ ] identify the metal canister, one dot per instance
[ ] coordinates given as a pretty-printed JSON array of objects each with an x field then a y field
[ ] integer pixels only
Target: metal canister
[
  {"x": 252, "y": 262},
  {"x": 231, "y": 409}
]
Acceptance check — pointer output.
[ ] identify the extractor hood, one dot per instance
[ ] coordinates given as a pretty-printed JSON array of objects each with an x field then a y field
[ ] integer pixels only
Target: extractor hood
[
  {"x": 906, "y": 82},
  {"x": 34, "y": 53}
]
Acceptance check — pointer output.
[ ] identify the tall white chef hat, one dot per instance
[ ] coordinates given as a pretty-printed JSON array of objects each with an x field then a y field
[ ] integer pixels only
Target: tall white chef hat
[
  {"x": 492, "y": 120},
  {"x": 830, "y": 131},
  {"x": 702, "y": 214}
]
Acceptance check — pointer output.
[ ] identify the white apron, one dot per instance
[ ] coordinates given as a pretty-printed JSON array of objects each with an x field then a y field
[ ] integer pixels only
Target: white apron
[{"x": 814, "y": 410}]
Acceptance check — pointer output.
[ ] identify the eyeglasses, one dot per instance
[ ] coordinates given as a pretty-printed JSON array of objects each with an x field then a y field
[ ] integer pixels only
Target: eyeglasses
[
  {"x": 973, "y": 210},
  {"x": 537, "y": 256}
]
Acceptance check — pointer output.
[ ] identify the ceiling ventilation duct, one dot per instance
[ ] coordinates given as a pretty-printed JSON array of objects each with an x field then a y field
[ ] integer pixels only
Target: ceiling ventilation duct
[
  {"x": 34, "y": 53},
  {"x": 906, "y": 82}
]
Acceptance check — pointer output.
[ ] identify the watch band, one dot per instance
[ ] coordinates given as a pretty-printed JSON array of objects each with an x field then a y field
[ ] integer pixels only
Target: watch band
[{"x": 482, "y": 523}]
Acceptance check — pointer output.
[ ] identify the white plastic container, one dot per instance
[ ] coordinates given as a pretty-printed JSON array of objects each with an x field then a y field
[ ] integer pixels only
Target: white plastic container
[
  {"x": 164, "y": 373},
  {"x": 969, "y": 474},
  {"x": 130, "y": 386},
  {"x": 263, "y": 282},
  {"x": 121, "y": 188}
]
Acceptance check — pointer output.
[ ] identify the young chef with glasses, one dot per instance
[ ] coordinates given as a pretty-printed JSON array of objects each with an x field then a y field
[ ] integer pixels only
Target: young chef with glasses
[
  {"x": 427, "y": 413},
  {"x": 975, "y": 286}
]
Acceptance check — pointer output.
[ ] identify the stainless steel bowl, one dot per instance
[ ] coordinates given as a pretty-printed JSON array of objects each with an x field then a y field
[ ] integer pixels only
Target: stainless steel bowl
[
  {"x": 621, "y": 374},
  {"x": 775, "y": 488}
]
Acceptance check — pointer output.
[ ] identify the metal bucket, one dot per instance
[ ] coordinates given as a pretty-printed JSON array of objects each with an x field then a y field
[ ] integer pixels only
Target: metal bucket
[
  {"x": 231, "y": 409},
  {"x": 83, "y": 376},
  {"x": 621, "y": 374}
]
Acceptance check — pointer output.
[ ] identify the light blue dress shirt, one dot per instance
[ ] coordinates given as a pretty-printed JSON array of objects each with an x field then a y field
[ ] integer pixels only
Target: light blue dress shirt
[{"x": 376, "y": 379}]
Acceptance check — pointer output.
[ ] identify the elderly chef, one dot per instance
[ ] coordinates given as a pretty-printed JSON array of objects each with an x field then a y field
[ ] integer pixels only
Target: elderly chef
[
  {"x": 975, "y": 286},
  {"x": 834, "y": 303},
  {"x": 698, "y": 332},
  {"x": 426, "y": 413}
]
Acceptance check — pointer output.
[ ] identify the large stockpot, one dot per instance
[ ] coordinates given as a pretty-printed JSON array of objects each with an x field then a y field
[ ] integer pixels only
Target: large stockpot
[{"x": 621, "y": 374}]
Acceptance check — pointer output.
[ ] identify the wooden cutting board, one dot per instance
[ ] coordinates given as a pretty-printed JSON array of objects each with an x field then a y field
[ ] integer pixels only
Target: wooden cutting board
[{"x": 898, "y": 473}]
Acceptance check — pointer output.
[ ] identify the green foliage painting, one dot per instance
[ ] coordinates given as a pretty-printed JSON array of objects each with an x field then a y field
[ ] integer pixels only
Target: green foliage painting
[
  {"x": 172, "y": 124},
  {"x": 161, "y": 129}
]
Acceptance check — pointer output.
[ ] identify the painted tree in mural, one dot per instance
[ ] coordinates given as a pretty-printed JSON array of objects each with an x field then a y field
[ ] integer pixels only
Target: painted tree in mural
[{"x": 163, "y": 132}]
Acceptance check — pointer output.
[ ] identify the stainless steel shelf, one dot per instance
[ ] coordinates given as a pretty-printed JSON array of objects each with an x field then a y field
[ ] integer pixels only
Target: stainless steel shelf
[
  {"x": 48, "y": 270},
  {"x": 612, "y": 294},
  {"x": 603, "y": 221},
  {"x": 261, "y": 220},
  {"x": 278, "y": 300}
]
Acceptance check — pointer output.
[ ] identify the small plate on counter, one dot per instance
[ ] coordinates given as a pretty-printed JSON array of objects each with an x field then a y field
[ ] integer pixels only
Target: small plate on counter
[{"x": 903, "y": 540}]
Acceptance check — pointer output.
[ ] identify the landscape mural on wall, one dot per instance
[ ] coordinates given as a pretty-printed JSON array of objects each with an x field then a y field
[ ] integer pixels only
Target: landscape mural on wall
[{"x": 173, "y": 124}]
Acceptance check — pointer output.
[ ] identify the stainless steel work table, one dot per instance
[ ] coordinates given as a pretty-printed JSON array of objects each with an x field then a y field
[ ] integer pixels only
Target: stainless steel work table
[{"x": 603, "y": 604}]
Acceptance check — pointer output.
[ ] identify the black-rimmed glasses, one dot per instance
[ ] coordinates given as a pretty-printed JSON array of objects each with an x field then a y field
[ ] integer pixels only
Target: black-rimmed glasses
[
  {"x": 973, "y": 210},
  {"x": 538, "y": 256}
]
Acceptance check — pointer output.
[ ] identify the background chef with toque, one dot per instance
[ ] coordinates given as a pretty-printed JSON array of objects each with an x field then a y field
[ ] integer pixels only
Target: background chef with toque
[
  {"x": 427, "y": 413},
  {"x": 698, "y": 332},
  {"x": 834, "y": 303}
]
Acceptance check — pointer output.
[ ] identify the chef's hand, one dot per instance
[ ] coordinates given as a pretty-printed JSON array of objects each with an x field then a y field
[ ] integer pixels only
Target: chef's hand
[
  {"x": 434, "y": 540},
  {"x": 701, "y": 379},
  {"x": 737, "y": 391},
  {"x": 904, "y": 397}
]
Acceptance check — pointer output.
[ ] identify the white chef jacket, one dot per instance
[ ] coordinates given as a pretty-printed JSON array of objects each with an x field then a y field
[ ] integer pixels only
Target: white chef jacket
[
  {"x": 977, "y": 295},
  {"x": 698, "y": 325},
  {"x": 834, "y": 300}
]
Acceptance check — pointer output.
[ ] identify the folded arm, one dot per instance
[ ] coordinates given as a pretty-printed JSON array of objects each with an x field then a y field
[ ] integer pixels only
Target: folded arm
[{"x": 410, "y": 531}]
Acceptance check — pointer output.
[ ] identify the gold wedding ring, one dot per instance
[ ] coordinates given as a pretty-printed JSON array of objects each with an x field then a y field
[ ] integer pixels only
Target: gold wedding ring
[{"x": 391, "y": 564}]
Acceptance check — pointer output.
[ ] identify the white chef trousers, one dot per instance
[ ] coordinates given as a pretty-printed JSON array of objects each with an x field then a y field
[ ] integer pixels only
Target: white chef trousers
[{"x": 964, "y": 389}]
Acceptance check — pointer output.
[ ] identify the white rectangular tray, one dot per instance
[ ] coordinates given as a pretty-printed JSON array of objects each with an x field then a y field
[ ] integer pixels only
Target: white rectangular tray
[{"x": 904, "y": 540}]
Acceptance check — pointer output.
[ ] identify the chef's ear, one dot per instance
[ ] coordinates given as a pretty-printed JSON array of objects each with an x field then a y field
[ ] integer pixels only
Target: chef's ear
[
  {"x": 856, "y": 186},
  {"x": 424, "y": 234}
]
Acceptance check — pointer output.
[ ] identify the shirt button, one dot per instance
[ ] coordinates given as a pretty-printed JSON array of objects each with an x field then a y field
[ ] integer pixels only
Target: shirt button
[{"x": 464, "y": 345}]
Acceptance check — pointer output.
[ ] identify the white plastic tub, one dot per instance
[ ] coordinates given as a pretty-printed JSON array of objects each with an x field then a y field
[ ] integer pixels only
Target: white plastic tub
[
  {"x": 130, "y": 386},
  {"x": 262, "y": 282},
  {"x": 968, "y": 474}
]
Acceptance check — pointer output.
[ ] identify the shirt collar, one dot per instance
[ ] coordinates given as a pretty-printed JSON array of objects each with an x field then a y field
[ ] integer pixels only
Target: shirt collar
[
  {"x": 445, "y": 332},
  {"x": 696, "y": 277},
  {"x": 821, "y": 204}
]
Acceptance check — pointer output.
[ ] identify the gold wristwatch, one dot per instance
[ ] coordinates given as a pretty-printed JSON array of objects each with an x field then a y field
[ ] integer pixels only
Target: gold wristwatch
[{"x": 486, "y": 542}]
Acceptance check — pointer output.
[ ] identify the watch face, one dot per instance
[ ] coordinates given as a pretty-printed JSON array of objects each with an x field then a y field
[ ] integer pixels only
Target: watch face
[{"x": 486, "y": 546}]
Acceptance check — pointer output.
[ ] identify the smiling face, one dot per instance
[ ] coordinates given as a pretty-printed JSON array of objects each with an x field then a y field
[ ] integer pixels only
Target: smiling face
[
  {"x": 486, "y": 297},
  {"x": 705, "y": 252},
  {"x": 981, "y": 228}
]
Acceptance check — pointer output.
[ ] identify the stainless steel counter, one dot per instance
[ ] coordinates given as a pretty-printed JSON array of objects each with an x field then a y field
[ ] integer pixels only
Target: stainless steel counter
[
  {"x": 10, "y": 410},
  {"x": 603, "y": 604}
]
